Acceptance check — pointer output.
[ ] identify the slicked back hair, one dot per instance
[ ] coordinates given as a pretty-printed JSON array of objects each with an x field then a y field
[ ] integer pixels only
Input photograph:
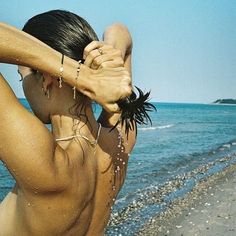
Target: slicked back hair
[{"x": 64, "y": 31}]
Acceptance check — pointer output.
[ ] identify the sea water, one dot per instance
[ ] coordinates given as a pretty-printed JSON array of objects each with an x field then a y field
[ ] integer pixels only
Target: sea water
[{"x": 186, "y": 142}]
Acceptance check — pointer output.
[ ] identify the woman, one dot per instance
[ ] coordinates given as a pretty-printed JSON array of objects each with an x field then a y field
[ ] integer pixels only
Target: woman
[{"x": 66, "y": 180}]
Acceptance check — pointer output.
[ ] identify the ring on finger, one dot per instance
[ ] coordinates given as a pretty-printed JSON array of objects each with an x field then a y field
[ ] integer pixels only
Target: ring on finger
[{"x": 100, "y": 51}]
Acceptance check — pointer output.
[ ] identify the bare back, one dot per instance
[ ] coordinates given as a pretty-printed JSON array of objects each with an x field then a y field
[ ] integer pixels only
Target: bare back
[{"x": 83, "y": 207}]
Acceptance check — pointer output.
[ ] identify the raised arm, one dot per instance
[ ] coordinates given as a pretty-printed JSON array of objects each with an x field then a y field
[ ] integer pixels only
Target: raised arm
[
  {"x": 119, "y": 38},
  {"x": 17, "y": 47},
  {"x": 26, "y": 145}
]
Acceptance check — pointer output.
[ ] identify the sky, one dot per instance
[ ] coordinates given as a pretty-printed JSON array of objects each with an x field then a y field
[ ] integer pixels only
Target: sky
[{"x": 184, "y": 50}]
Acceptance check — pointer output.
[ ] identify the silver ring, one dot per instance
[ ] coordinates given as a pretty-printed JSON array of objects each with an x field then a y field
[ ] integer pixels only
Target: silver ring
[{"x": 100, "y": 51}]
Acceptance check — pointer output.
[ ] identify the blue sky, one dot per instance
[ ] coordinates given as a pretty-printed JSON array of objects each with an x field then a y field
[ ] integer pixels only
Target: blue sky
[{"x": 184, "y": 50}]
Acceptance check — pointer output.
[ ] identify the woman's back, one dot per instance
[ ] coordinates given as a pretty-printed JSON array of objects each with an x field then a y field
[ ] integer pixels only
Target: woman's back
[{"x": 83, "y": 208}]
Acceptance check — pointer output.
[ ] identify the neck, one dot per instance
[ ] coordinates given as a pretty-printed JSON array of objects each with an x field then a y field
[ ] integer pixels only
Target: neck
[{"x": 66, "y": 124}]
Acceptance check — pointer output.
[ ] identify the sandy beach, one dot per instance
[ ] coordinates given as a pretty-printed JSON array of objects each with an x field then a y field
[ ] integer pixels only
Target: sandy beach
[{"x": 209, "y": 210}]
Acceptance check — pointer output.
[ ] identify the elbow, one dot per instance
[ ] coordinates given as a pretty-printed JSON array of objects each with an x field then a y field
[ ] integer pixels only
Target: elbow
[{"x": 119, "y": 27}]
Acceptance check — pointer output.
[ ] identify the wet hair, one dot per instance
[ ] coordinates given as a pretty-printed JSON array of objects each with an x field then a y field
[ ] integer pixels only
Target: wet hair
[
  {"x": 69, "y": 34},
  {"x": 64, "y": 31},
  {"x": 134, "y": 110}
]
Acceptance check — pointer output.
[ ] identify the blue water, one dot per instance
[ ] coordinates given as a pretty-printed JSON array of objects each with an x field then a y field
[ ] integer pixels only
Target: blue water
[{"x": 186, "y": 143}]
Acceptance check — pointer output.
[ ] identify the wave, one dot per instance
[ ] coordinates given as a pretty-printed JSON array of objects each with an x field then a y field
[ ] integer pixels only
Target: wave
[
  {"x": 157, "y": 127},
  {"x": 227, "y": 145}
]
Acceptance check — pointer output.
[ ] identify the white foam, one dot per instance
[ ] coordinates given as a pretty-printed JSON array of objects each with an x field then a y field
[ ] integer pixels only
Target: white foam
[
  {"x": 157, "y": 127},
  {"x": 226, "y": 145},
  {"x": 234, "y": 143},
  {"x": 148, "y": 128},
  {"x": 165, "y": 126},
  {"x": 123, "y": 199}
]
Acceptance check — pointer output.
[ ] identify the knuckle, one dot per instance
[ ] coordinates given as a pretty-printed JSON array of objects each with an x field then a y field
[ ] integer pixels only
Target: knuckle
[
  {"x": 118, "y": 52},
  {"x": 97, "y": 61},
  {"x": 120, "y": 61},
  {"x": 127, "y": 81},
  {"x": 128, "y": 90},
  {"x": 125, "y": 72},
  {"x": 86, "y": 50},
  {"x": 94, "y": 67},
  {"x": 106, "y": 65},
  {"x": 93, "y": 53},
  {"x": 102, "y": 66},
  {"x": 94, "y": 43},
  {"x": 90, "y": 47}
]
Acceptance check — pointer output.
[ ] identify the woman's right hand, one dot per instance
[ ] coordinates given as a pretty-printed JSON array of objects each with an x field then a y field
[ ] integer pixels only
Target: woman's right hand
[
  {"x": 108, "y": 66},
  {"x": 106, "y": 91}
]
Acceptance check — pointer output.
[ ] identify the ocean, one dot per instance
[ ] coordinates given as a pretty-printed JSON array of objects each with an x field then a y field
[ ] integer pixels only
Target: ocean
[{"x": 186, "y": 143}]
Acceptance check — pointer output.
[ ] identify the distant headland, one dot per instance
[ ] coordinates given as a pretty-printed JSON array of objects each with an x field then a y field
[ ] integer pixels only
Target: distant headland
[{"x": 225, "y": 101}]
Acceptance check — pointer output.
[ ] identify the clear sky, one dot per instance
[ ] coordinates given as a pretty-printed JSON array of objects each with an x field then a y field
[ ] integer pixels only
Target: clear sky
[{"x": 184, "y": 50}]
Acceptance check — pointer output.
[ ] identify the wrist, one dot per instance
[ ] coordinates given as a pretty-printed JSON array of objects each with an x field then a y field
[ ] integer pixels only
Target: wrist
[
  {"x": 69, "y": 74},
  {"x": 85, "y": 78}
]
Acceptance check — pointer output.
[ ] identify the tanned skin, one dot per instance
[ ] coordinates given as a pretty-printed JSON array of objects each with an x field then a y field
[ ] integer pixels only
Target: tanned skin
[{"x": 64, "y": 188}]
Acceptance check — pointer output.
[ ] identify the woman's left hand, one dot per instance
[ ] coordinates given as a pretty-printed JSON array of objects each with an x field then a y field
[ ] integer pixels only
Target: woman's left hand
[{"x": 101, "y": 55}]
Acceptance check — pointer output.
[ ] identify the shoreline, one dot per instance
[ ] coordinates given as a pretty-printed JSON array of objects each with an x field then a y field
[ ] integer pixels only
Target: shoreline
[{"x": 209, "y": 209}]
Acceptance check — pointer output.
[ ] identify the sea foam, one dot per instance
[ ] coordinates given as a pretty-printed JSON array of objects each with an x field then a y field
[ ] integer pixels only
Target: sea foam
[{"x": 157, "y": 127}]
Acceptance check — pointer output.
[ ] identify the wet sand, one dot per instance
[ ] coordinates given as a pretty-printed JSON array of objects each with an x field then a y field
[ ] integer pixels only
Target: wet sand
[{"x": 210, "y": 209}]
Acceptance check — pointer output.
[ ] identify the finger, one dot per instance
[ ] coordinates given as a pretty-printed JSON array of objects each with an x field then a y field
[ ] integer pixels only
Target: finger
[
  {"x": 110, "y": 64},
  {"x": 126, "y": 87},
  {"x": 97, "y": 61},
  {"x": 106, "y": 47},
  {"x": 114, "y": 108},
  {"x": 120, "y": 69},
  {"x": 88, "y": 93},
  {"x": 126, "y": 92},
  {"x": 90, "y": 47},
  {"x": 91, "y": 56}
]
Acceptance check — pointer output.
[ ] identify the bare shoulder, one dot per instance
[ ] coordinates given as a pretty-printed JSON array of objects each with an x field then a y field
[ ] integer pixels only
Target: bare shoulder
[{"x": 27, "y": 147}]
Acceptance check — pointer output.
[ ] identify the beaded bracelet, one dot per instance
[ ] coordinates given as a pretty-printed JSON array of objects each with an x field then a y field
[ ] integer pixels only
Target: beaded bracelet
[
  {"x": 61, "y": 71},
  {"x": 76, "y": 79}
]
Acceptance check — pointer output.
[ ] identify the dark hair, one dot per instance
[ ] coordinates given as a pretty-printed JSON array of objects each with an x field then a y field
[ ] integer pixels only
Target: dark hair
[
  {"x": 64, "y": 31},
  {"x": 69, "y": 34},
  {"x": 134, "y": 110}
]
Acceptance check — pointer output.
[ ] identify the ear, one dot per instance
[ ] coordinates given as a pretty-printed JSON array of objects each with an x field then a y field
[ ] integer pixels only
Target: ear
[{"x": 47, "y": 82}]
